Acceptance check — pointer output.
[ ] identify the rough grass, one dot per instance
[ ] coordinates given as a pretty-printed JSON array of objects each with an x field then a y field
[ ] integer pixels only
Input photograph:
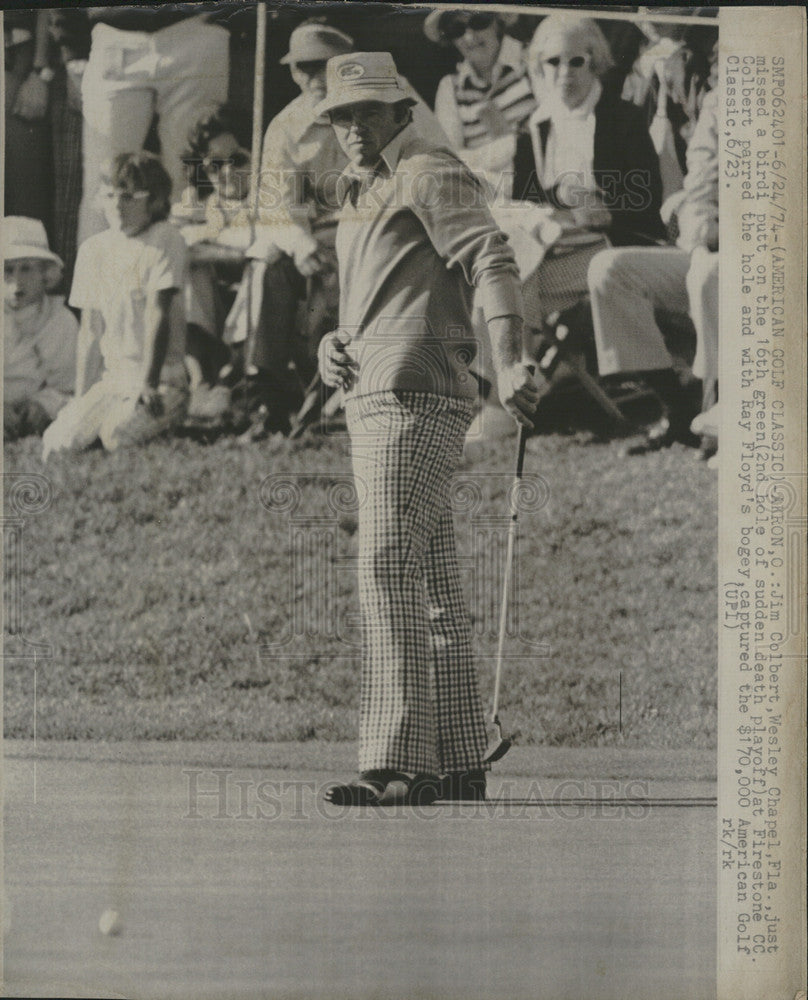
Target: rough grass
[{"x": 160, "y": 578}]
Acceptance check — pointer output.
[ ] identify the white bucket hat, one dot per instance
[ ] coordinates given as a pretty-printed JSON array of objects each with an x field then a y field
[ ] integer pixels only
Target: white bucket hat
[
  {"x": 23, "y": 237},
  {"x": 361, "y": 76},
  {"x": 316, "y": 43}
]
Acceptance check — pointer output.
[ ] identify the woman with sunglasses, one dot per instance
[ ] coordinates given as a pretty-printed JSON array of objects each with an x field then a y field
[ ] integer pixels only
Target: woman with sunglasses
[
  {"x": 484, "y": 102},
  {"x": 213, "y": 210},
  {"x": 584, "y": 150}
]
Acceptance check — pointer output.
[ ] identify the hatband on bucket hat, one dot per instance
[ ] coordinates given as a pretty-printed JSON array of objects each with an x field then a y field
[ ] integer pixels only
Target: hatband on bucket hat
[
  {"x": 26, "y": 238},
  {"x": 316, "y": 43},
  {"x": 361, "y": 76}
]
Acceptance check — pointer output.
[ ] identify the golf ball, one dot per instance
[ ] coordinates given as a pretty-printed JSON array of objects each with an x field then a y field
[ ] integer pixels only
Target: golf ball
[{"x": 110, "y": 922}]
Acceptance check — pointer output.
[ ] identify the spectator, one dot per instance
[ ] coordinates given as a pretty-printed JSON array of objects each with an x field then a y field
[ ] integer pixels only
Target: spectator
[
  {"x": 627, "y": 285},
  {"x": 585, "y": 152},
  {"x": 218, "y": 170},
  {"x": 39, "y": 332},
  {"x": 128, "y": 286},
  {"x": 143, "y": 61},
  {"x": 483, "y": 104}
]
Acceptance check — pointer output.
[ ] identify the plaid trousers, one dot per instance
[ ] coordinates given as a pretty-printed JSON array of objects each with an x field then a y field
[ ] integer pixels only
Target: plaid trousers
[{"x": 420, "y": 707}]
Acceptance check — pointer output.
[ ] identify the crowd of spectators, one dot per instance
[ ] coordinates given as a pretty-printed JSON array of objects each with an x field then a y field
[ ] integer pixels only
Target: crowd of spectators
[{"x": 203, "y": 300}]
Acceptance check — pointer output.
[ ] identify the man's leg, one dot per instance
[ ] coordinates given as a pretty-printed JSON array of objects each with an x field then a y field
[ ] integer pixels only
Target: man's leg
[
  {"x": 459, "y": 713},
  {"x": 270, "y": 346},
  {"x": 117, "y": 105},
  {"x": 79, "y": 423},
  {"x": 626, "y": 285},
  {"x": 702, "y": 291},
  {"x": 405, "y": 448},
  {"x": 191, "y": 81}
]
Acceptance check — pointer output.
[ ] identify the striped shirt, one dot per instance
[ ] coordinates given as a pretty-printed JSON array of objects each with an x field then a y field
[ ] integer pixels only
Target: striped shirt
[{"x": 463, "y": 101}]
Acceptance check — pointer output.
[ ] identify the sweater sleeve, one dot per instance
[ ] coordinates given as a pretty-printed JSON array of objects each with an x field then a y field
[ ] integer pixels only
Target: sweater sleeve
[{"x": 450, "y": 203}]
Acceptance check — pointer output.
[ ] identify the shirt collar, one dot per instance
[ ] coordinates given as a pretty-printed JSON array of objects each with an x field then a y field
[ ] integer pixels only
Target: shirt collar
[
  {"x": 391, "y": 153},
  {"x": 353, "y": 177}
]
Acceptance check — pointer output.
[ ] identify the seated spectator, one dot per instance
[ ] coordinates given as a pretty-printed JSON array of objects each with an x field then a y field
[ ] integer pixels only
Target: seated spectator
[
  {"x": 128, "y": 284},
  {"x": 298, "y": 207},
  {"x": 585, "y": 152},
  {"x": 669, "y": 79},
  {"x": 213, "y": 209},
  {"x": 628, "y": 285},
  {"x": 39, "y": 332},
  {"x": 482, "y": 105}
]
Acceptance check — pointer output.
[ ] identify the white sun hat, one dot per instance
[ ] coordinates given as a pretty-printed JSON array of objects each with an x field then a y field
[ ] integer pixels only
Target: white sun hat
[{"x": 26, "y": 238}]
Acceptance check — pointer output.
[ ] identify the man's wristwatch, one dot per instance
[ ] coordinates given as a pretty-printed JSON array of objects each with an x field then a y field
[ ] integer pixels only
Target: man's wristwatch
[{"x": 45, "y": 73}]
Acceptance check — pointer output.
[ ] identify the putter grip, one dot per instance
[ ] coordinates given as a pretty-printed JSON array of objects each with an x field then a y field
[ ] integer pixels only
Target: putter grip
[{"x": 520, "y": 448}]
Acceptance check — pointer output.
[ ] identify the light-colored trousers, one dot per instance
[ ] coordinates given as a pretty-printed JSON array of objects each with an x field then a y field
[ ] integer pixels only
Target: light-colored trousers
[
  {"x": 420, "y": 707},
  {"x": 180, "y": 72},
  {"x": 112, "y": 413},
  {"x": 628, "y": 283}
]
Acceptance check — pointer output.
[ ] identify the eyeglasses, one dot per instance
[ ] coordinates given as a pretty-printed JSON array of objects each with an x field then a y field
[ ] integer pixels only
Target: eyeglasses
[
  {"x": 121, "y": 194},
  {"x": 456, "y": 26},
  {"x": 310, "y": 67},
  {"x": 358, "y": 113},
  {"x": 239, "y": 159},
  {"x": 576, "y": 62}
]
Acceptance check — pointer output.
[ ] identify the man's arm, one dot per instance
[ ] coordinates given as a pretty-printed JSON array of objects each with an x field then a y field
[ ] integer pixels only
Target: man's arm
[
  {"x": 516, "y": 388},
  {"x": 452, "y": 207}
]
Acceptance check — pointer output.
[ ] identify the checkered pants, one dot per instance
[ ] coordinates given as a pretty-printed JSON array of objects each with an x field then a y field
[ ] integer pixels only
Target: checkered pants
[
  {"x": 420, "y": 707},
  {"x": 559, "y": 282}
]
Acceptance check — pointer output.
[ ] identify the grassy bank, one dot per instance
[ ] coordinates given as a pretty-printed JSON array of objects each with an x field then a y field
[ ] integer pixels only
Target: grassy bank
[{"x": 183, "y": 599}]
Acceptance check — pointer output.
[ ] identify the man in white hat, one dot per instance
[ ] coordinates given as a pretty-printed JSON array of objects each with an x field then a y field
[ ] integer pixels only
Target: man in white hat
[
  {"x": 39, "y": 332},
  {"x": 415, "y": 239},
  {"x": 297, "y": 203}
]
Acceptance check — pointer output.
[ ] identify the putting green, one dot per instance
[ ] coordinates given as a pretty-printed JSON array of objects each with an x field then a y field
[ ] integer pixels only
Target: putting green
[{"x": 234, "y": 880}]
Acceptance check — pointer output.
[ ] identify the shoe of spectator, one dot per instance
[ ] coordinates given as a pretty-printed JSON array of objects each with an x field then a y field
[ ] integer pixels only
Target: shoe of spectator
[
  {"x": 708, "y": 447},
  {"x": 265, "y": 422},
  {"x": 707, "y": 423},
  {"x": 209, "y": 403}
]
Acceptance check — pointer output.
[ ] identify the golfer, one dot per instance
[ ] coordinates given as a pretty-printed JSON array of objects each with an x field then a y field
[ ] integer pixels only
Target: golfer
[{"x": 415, "y": 238}]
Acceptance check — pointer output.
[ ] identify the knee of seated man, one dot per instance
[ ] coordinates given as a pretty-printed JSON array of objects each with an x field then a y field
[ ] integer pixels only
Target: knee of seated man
[{"x": 603, "y": 269}]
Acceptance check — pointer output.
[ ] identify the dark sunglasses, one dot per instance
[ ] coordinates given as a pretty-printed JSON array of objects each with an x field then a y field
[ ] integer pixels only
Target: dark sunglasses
[
  {"x": 455, "y": 27},
  {"x": 575, "y": 63},
  {"x": 237, "y": 160},
  {"x": 311, "y": 67}
]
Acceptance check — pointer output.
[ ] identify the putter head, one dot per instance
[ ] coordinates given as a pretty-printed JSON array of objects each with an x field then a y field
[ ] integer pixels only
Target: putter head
[
  {"x": 497, "y": 749},
  {"x": 498, "y": 746}
]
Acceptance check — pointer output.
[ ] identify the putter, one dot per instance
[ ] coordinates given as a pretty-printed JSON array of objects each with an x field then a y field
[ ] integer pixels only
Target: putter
[{"x": 499, "y": 744}]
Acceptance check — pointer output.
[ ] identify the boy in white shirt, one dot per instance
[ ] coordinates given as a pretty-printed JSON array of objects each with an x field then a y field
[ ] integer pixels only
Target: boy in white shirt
[
  {"x": 39, "y": 332},
  {"x": 128, "y": 284}
]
